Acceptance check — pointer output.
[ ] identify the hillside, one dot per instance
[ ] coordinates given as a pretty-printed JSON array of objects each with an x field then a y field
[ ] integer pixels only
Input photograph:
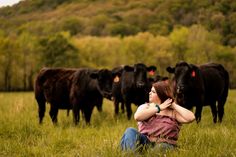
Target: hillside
[{"x": 121, "y": 17}]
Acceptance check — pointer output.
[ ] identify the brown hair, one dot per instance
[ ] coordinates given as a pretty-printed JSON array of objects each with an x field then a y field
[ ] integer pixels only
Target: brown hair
[{"x": 163, "y": 90}]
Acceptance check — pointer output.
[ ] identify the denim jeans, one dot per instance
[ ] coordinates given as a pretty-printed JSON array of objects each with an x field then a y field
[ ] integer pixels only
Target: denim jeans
[{"x": 135, "y": 141}]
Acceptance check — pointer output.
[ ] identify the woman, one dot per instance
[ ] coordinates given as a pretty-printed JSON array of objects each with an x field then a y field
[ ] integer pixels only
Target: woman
[{"x": 159, "y": 121}]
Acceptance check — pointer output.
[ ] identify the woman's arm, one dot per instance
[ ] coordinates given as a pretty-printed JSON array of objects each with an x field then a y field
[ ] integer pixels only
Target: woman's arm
[
  {"x": 145, "y": 111},
  {"x": 182, "y": 114}
]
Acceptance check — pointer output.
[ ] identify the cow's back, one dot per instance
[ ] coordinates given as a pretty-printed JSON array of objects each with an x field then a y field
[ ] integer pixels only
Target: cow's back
[
  {"x": 84, "y": 88},
  {"x": 53, "y": 84}
]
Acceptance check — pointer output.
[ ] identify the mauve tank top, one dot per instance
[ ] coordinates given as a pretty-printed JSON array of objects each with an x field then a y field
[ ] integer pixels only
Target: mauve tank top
[{"x": 160, "y": 128}]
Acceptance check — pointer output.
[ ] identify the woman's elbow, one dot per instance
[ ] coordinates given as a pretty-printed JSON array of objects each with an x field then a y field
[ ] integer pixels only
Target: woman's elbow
[
  {"x": 137, "y": 117},
  {"x": 191, "y": 119}
]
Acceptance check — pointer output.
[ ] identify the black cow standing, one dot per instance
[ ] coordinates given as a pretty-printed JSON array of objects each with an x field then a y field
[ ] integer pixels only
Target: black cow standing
[
  {"x": 200, "y": 86},
  {"x": 88, "y": 88},
  {"x": 52, "y": 85},
  {"x": 135, "y": 85},
  {"x": 55, "y": 86}
]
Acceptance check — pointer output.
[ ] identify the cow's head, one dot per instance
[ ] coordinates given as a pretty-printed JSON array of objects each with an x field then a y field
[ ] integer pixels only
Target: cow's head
[
  {"x": 140, "y": 73},
  {"x": 105, "y": 79},
  {"x": 183, "y": 81}
]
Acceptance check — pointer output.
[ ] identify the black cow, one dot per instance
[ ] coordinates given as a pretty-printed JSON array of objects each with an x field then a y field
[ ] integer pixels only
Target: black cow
[
  {"x": 88, "y": 88},
  {"x": 135, "y": 85},
  {"x": 54, "y": 85},
  {"x": 200, "y": 86}
]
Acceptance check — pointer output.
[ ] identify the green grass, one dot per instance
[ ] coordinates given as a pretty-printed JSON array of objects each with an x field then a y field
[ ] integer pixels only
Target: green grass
[{"x": 21, "y": 135}]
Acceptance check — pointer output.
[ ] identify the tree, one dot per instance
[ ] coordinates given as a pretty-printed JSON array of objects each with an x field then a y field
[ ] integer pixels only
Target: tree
[
  {"x": 7, "y": 59},
  {"x": 179, "y": 39},
  {"x": 27, "y": 59},
  {"x": 56, "y": 51}
]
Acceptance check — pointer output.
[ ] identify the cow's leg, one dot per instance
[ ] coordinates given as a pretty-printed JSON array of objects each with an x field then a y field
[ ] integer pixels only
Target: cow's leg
[
  {"x": 116, "y": 104},
  {"x": 128, "y": 109},
  {"x": 220, "y": 108},
  {"x": 75, "y": 108},
  {"x": 198, "y": 113},
  {"x": 53, "y": 113},
  {"x": 76, "y": 114},
  {"x": 99, "y": 104},
  {"x": 68, "y": 112},
  {"x": 87, "y": 114},
  {"x": 214, "y": 112},
  {"x": 41, "y": 110},
  {"x": 41, "y": 105},
  {"x": 122, "y": 107}
]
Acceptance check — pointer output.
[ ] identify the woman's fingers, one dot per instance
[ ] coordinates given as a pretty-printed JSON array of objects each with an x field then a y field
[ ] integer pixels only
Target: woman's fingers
[{"x": 166, "y": 104}]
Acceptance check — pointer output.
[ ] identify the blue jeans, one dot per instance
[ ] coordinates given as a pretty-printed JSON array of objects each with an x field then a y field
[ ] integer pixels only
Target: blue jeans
[{"x": 135, "y": 141}]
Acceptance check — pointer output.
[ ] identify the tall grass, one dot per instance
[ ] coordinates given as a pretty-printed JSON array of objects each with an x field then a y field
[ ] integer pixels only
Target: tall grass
[{"x": 21, "y": 135}]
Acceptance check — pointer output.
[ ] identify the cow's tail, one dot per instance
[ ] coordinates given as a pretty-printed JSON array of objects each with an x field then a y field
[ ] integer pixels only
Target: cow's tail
[{"x": 39, "y": 96}]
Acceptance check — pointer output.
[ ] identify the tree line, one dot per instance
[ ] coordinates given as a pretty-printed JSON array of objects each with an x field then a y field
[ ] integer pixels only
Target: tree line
[{"x": 22, "y": 56}]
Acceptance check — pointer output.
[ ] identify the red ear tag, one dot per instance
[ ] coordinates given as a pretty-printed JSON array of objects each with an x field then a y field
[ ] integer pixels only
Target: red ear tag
[
  {"x": 193, "y": 74},
  {"x": 151, "y": 72}
]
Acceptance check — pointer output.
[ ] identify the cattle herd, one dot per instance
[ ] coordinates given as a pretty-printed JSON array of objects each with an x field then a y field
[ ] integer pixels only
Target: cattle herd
[{"x": 82, "y": 89}]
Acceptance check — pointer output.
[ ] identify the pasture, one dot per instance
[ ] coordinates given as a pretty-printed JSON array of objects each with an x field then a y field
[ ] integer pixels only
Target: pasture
[{"x": 21, "y": 135}]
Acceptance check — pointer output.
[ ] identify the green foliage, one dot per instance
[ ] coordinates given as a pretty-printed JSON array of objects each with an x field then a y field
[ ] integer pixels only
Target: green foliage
[
  {"x": 27, "y": 60},
  {"x": 58, "y": 52},
  {"x": 122, "y": 29},
  {"x": 140, "y": 17},
  {"x": 97, "y": 25},
  {"x": 72, "y": 25},
  {"x": 21, "y": 135},
  {"x": 8, "y": 59},
  {"x": 179, "y": 39},
  {"x": 156, "y": 16}
]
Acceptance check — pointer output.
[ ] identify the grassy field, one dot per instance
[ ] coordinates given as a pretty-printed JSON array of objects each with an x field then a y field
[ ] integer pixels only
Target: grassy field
[{"x": 22, "y": 136}]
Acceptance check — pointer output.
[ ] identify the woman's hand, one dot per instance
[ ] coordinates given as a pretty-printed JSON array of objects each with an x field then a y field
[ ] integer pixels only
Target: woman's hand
[
  {"x": 166, "y": 104},
  {"x": 182, "y": 114}
]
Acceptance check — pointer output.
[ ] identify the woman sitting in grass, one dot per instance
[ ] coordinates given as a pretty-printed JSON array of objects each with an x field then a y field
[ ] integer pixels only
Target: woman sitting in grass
[{"x": 159, "y": 121}]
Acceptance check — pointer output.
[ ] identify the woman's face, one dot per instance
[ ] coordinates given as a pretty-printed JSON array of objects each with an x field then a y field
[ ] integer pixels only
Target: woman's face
[{"x": 153, "y": 97}]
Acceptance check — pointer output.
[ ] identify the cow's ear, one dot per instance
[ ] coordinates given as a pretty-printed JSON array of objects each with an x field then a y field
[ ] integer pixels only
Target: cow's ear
[
  {"x": 117, "y": 72},
  {"x": 94, "y": 75},
  {"x": 170, "y": 69},
  {"x": 151, "y": 68},
  {"x": 128, "y": 68}
]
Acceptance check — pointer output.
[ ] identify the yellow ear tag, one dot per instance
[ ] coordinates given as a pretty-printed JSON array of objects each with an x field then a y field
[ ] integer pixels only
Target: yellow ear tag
[{"x": 116, "y": 79}]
